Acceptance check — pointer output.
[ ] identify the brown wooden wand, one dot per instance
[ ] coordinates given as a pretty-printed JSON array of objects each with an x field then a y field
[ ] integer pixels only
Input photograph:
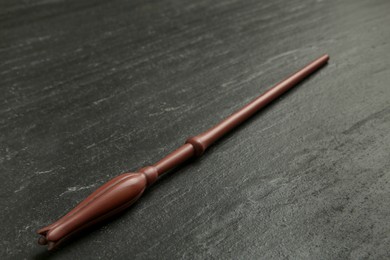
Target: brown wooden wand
[{"x": 122, "y": 191}]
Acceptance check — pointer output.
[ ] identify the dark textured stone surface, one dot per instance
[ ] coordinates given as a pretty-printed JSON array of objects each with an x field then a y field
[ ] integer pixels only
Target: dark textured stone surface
[{"x": 91, "y": 89}]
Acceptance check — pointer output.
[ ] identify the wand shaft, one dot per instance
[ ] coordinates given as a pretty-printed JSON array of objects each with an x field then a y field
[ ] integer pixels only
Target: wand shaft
[{"x": 196, "y": 145}]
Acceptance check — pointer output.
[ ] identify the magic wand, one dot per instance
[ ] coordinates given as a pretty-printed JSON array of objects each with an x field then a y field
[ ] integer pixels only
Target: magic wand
[{"x": 122, "y": 191}]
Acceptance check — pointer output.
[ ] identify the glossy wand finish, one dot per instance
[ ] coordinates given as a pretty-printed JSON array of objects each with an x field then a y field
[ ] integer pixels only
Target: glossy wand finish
[{"x": 122, "y": 191}]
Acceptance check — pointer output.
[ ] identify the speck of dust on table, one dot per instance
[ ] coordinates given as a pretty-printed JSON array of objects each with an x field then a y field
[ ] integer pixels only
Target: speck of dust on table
[{"x": 92, "y": 89}]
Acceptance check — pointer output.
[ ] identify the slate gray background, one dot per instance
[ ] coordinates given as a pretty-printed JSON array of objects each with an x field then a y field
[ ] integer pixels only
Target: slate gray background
[{"x": 91, "y": 89}]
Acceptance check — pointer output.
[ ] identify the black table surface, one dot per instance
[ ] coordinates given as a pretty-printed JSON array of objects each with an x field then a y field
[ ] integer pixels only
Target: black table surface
[{"x": 92, "y": 89}]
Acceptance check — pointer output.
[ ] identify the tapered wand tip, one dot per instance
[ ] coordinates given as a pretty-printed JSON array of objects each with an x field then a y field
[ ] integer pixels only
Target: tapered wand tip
[{"x": 325, "y": 57}]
